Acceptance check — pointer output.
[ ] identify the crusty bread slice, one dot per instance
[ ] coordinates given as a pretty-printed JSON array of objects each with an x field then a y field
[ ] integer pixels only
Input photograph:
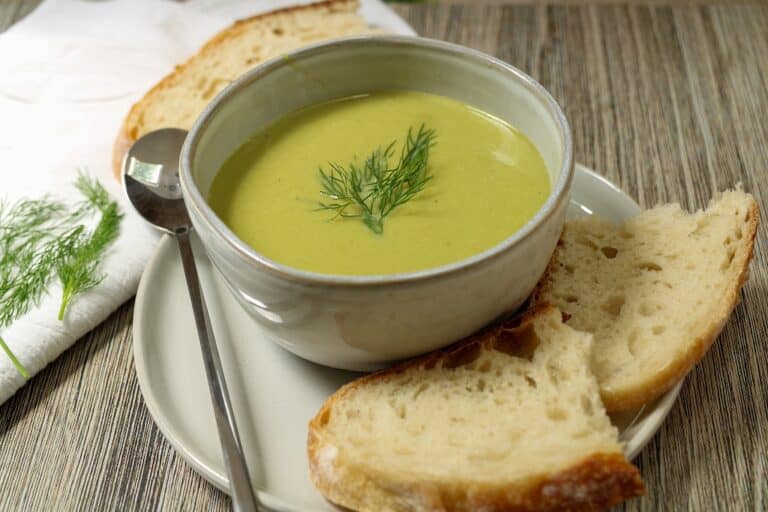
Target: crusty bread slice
[
  {"x": 180, "y": 97},
  {"x": 509, "y": 420},
  {"x": 655, "y": 293}
]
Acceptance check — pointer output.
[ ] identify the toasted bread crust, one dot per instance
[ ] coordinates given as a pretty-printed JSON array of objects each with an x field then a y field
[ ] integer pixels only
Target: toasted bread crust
[
  {"x": 487, "y": 338},
  {"x": 659, "y": 383},
  {"x": 599, "y": 481},
  {"x": 607, "y": 480},
  {"x": 128, "y": 132}
]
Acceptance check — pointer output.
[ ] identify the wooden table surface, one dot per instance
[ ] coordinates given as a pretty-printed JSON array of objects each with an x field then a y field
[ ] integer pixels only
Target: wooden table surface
[{"x": 669, "y": 102}]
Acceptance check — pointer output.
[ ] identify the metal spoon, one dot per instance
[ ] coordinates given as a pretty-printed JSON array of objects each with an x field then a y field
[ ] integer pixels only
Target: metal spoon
[{"x": 151, "y": 181}]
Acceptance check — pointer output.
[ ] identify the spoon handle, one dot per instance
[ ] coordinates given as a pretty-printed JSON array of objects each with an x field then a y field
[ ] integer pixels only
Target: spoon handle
[{"x": 243, "y": 498}]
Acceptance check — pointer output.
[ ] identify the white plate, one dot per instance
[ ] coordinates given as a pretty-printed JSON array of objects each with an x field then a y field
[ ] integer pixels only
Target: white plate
[{"x": 274, "y": 393}]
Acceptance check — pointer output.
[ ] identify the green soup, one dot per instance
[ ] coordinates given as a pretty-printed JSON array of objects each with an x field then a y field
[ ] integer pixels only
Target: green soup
[{"x": 486, "y": 181}]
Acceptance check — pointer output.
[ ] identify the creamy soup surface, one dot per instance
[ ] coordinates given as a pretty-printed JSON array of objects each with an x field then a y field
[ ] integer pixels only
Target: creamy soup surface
[{"x": 487, "y": 180}]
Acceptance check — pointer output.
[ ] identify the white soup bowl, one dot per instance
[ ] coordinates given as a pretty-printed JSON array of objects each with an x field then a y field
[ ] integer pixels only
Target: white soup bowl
[{"x": 364, "y": 322}]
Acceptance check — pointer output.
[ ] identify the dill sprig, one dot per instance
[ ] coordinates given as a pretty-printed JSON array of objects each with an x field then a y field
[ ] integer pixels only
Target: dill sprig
[
  {"x": 40, "y": 238},
  {"x": 79, "y": 271},
  {"x": 373, "y": 191},
  {"x": 28, "y": 250}
]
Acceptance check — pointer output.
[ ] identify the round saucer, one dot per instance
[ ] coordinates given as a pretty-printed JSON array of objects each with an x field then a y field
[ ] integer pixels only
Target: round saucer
[{"x": 274, "y": 393}]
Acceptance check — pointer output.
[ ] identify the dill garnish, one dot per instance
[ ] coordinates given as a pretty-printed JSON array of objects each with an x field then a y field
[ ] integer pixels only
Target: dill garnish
[
  {"x": 373, "y": 191},
  {"x": 43, "y": 238},
  {"x": 78, "y": 272},
  {"x": 27, "y": 253}
]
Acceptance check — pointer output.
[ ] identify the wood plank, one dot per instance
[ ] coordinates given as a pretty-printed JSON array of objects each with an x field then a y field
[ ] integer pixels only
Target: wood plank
[
  {"x": 684, "y": 3},
  {"x": 12, "y": 11},
  {"x": 669, "y": 102}
]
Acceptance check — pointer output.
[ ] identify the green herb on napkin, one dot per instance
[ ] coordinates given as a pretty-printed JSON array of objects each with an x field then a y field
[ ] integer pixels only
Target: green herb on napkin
[
  {"x": 78, "y": 271},
  {"x": 45, "y": 238}
]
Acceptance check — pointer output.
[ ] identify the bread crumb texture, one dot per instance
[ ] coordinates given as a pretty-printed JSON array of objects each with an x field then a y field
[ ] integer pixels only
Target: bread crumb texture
[
  {"x": 655, "y": 292},
  {"x": 508, "y": 420}
]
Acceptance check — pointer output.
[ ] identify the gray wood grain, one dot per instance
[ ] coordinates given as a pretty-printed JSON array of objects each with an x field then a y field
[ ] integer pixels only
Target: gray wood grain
[
  {"x": 12, "y": 11},
  {"x": 669, "y": 102}
]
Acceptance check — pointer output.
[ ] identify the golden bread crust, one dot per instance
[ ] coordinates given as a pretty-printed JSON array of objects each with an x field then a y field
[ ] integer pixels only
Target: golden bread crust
[
  {"x": 128, "y": 132},
  {"x": 599, "y": 481}
]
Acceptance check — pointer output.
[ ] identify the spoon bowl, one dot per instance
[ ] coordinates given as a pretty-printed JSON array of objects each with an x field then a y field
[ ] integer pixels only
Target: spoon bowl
[{"x": 151, "y": 179}]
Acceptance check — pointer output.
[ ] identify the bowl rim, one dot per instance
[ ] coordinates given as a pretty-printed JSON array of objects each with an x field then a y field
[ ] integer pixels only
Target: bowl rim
[{"x": 195, "y": 200}]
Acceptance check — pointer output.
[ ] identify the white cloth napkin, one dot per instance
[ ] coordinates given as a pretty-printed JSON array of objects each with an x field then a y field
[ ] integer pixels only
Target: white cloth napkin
[{"x": 68, "y": 74}]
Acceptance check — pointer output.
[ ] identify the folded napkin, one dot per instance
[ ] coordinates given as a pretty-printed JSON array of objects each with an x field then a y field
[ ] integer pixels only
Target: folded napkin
[{"x": 68, "y": 74}]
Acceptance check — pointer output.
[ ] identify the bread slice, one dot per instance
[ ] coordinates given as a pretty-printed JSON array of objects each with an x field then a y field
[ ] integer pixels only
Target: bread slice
[
  {"x": 509, "y": 420},
  {"x": 178, "y": 99},
  {"x": 655, "y": 292}
]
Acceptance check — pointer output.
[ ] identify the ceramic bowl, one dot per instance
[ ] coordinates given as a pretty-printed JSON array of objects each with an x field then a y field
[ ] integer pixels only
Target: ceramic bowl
[{"x": 364, "y": 322}]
